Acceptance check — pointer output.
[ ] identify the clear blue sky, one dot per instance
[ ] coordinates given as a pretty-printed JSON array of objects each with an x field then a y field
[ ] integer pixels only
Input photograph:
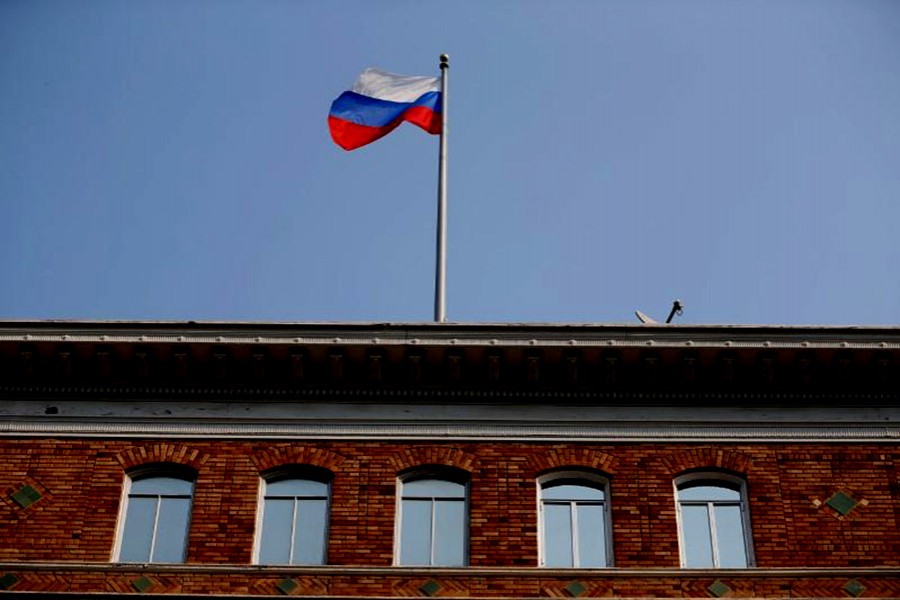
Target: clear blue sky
[{"x": 170, "y": 160}]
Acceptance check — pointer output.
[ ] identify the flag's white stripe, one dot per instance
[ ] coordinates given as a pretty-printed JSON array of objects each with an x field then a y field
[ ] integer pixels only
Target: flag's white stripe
[{"x": 395, "y": 88}]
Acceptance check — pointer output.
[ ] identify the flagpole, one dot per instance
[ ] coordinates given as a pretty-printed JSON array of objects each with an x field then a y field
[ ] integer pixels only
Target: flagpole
[{"x": 440, "y": 275}]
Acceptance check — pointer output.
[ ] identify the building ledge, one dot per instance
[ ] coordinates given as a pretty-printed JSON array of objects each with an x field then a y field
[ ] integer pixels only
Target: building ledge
[{"x": 405, "y": 571}]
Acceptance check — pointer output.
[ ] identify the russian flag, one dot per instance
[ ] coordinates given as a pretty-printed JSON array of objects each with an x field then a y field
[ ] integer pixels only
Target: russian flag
[{"x": 379, "y": 102}]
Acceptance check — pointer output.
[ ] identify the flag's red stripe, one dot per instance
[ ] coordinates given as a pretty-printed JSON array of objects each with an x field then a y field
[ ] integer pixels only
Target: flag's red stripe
[
  {"x": 350, "y": 136},
  {"x": 425, "y": 118}
]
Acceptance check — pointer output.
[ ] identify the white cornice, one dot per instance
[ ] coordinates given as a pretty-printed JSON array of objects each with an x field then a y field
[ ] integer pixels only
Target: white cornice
[
  {"x": 455, "y": 334},
  {"x": 543, "y": 342},
  {"x": 342, "y": 418}
]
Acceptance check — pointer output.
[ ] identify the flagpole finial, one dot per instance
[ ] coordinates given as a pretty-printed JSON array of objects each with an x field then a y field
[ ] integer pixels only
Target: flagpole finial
[{"x": 445, "y": 61}]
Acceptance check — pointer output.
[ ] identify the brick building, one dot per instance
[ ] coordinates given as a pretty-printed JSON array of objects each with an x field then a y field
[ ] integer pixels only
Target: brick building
[{"x": 447, "y": 460}]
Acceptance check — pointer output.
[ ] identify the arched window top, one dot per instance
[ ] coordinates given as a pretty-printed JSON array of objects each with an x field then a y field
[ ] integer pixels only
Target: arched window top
[
  {"x": 580, "y": 474},
  {"x": 161, "y": 471},
  {"x": 709, "y": 486},
  {"x": 296, "y": 488},
  {"x": 434, "y": 473},
  {"x": 572, "y": 490},
  {"x": 297, "y": 481},
  {"x": 709, "y": 492},
  {"x": 310, "y": 472},
  {"x": 568, "y": 478},
  {"x": 161, "y": 479},
  {"x": 575, "y": 485},
  {"x": 161, "y": 486},
  {"x": 433, "y": 488}
]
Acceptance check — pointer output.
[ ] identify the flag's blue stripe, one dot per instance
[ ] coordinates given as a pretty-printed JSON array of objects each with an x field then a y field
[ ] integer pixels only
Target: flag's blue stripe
[{"x": 372, "y": 112}]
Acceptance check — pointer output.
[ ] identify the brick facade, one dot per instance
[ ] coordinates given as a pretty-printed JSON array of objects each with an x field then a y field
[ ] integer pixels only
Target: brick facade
[{"x": 75, "y": 518}]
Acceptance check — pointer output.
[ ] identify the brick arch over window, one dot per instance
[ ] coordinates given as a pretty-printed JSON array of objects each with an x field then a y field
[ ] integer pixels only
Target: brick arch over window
[
  {"x": 280, "y": 456},
  {"x": 432, "y": 455},
  {"x": 573, "y": 458},
  {"x": 707, "y": 458},
  {"x": 180, "y": 454}
]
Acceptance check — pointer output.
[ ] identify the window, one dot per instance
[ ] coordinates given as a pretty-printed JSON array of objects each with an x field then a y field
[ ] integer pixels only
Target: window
[
  {"x": 157, "y": 513},
  {"x": 712, "y": 522},
  {"x": 574, "y": 520},
  {"x": 433, "y": 525},
  {"x": 294, "y": 520}
]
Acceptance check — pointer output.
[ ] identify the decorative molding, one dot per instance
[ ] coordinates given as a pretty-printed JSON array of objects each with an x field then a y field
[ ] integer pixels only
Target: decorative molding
[
  {"x": 701, "y": 458},
  {"x": 280, "y": 456},
  {"x": 415, "y": 456},
  {"x": 484, "y": 335},
  {"x": 344, "y": 417},
  {"x": 50, "y": 391},
  {"x": 574, "y": 458},
  {"x": 376, "y": 360},
  {"x": 538, "y": 572},
  {"x": 162, "y": 453},
  {"x": 674, "y": 432}
]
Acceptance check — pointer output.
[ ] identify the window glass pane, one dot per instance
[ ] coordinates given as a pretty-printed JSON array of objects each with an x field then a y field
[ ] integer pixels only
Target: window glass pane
[
  {"x": 695, "y": 530},
  {"x": 450, "y": 533},
  {"x": 171, "y": 530},
  {"x": 571, "y": 492},
  {"x": 297, "y": 487},
  {"x": 730, "y": 536},
  {"x": 433, "y": 488},
  {"x": 557, "y": 535},
  {"x": 591, "y": 535},
  {"x": 415, "y": 533},
  {"x": 309, "y": 537},
  {"x": 708, "y": 492},
  {"x": 163, "y": 486},
  {"x": 275, "y": 541},
  {"x": 137, "y": 535}
]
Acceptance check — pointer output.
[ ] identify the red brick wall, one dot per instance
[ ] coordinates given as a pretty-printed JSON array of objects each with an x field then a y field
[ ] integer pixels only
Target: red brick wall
[{"x": 81, "y": 483}]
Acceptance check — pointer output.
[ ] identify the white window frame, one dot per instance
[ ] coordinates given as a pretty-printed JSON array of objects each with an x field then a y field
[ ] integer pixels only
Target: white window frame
[
  {"x": 318, "y": 474},
  {"x": 449, "y": 474},
  {"x": 589, "y": 479},
  {"x": 714, "y": 479},
  {"x": 173, "y": 472}
]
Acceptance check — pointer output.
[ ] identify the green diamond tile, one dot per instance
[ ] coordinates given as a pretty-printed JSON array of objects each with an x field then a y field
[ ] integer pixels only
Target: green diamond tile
[
  {"x": 718, "y": 588},
  {"x": 21, "y": 499},
  {"x": 430, "y": 588},
  {"x": 30, "y": 492},
  {"x": 576, "y": 588},
  {"x": 7, "y": 581},
  {"x": 142, "y": 584},
  {"x": 841, "y": 503},
  {"x": 286, "y": 586},
  {"x": 854, "y": 588}
]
